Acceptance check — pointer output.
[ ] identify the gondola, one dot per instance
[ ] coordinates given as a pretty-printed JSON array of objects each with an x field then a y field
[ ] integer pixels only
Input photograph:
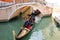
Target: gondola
[{"x": 24, "y": 31}]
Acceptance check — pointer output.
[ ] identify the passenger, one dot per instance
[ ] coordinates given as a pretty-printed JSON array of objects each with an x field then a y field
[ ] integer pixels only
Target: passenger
[
  {"x": 29, "y": 26},
  {"x": 29, "y": 22}
]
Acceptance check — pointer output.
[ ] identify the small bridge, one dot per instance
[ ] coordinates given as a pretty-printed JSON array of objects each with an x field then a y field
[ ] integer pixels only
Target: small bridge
[{"x": 6, "y": 13}]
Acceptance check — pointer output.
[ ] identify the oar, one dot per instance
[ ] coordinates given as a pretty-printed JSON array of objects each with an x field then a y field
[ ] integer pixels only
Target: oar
[{"x": 14, "y": 35}]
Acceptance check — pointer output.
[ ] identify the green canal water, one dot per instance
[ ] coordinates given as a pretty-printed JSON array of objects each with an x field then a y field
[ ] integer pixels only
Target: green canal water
[{"x": 43, "y": 30}]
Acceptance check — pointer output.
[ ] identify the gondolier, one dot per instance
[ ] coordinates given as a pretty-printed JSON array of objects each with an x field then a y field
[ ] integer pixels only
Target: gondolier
[{"x": 35, "y": 13}]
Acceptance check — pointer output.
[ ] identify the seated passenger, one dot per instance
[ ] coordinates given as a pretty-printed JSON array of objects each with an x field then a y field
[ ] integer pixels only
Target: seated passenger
[
  {"x": 29, "y": 22},
  {"x": 29, "y": 26}
]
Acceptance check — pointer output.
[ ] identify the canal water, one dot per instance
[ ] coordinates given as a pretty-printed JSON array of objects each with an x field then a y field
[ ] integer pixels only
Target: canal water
[{"x": 45, "y": 29}]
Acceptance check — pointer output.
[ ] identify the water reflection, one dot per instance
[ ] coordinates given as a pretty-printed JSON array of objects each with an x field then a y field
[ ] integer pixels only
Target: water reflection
[
  {"x": 37, "y": 35},
  {"x": 51, "y": 33}
]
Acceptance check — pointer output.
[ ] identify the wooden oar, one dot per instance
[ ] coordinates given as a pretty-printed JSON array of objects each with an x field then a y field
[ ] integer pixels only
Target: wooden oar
[{"x": 14, "y": 35}]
